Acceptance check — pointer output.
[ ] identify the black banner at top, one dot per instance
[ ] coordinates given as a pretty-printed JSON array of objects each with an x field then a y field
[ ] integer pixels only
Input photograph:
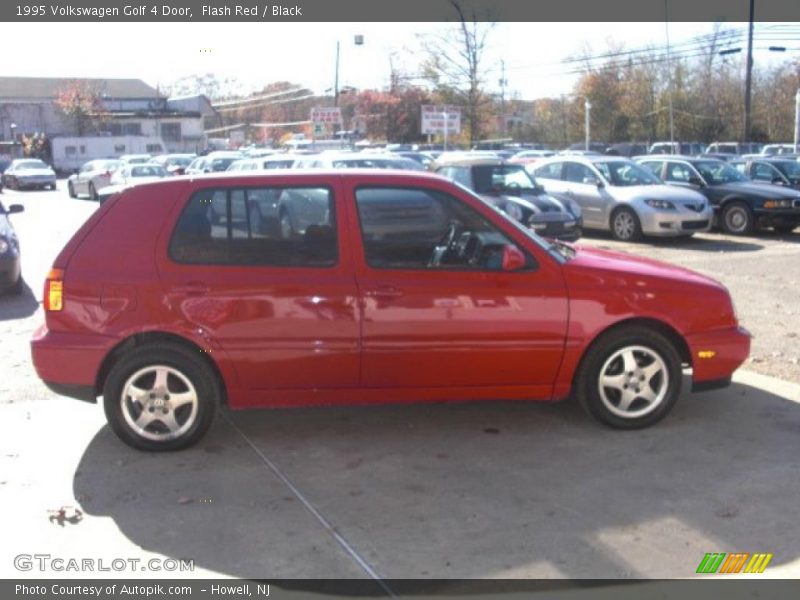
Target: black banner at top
[{"x": 394, "y": 10}]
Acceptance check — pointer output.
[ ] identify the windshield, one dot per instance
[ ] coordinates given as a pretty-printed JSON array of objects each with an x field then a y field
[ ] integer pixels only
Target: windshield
[
  {"x": 790, "y": 169},
  {"x": 624, "y": 173},
  {"x": 716, "y": 171},
  {"x": 501, "y": 178},
  {"x": 31, "y": 164}
]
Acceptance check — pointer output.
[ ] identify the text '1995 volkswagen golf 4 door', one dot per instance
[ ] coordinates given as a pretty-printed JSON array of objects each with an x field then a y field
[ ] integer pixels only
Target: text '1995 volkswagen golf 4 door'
[{"x": 359, "y": 287}]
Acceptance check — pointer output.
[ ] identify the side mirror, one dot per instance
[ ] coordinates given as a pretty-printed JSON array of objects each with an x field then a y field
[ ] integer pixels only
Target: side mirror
[
  {"x": 696, "y": 181},
  {"x": 15, "y": 208},
  {"x": 513, "y": 258}
]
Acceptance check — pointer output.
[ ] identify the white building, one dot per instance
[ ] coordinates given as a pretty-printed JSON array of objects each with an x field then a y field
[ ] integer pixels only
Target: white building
[{"x": 131, "y": 107}]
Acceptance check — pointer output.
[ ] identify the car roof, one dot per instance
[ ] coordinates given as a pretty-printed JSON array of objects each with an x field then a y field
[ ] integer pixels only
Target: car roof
[
  {"x": 283, "y": 174},
  {"x": 475, "y": 161}
]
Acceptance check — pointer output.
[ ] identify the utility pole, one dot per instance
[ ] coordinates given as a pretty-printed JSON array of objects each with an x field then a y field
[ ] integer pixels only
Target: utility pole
[
  {"x": 749, "y": 76},
  {"x": 669, "y": 70}
]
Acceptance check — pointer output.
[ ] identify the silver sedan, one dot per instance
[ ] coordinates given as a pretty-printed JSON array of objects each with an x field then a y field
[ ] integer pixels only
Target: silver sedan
[{"x": 620, "y": 196}]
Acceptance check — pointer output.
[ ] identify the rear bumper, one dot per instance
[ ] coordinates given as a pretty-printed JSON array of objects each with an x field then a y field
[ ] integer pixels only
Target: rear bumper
[
  {"x": 716, "y": 355},
  {"x": 68, "y": 363}
]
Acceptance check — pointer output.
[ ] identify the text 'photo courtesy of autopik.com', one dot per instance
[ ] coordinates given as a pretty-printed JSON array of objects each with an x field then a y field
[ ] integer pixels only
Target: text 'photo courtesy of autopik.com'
[{"x": 446, "y": 299}]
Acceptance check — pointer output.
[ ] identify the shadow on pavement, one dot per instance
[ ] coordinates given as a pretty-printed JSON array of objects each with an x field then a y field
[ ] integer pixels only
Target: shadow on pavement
[
  {"x": 707, "y": 244},
  {"x": 18, "y": 306},
  {"x": 465, "y": 490}
]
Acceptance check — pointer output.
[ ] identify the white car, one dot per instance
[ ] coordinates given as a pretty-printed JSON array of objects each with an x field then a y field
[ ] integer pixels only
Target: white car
[
  {"x": 92, "y": 177},
  {"x": 29, "y": 173},
  {"x": 618, "y": 195},
  {"x": 137, "y": 173}
]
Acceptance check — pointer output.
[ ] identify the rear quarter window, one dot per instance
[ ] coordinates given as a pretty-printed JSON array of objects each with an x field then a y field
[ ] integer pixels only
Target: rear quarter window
[{"x": 266, "y": 226}]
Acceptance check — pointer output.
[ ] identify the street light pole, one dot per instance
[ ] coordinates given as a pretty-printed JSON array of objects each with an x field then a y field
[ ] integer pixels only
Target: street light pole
[
  {"x": 336, "y": 78},
  {"x": 749, "y": 76},
  {"x": 587, "y": 109},
  {"x": 797, "y": 122}
]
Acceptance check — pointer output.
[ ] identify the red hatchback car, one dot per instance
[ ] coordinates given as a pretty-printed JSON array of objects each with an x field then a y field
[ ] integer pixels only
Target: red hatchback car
[{"x": 320, "y": 288}]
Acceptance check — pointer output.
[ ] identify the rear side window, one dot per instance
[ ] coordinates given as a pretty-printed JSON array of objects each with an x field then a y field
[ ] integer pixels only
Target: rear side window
[
  {"x": 551, "y": 171},
  {"x": 271, "y": 226}
]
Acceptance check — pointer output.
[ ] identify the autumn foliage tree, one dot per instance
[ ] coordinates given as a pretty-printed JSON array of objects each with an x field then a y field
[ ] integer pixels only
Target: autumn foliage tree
[{"x": 82, "y": 104}]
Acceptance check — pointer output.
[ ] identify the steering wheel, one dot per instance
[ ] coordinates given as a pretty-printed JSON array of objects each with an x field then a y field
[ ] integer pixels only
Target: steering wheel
[
  {"x": 445, "y": 245},
  {"x": 449, "y": 236}
]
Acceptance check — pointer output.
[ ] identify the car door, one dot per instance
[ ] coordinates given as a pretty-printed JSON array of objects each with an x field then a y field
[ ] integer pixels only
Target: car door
[
  {"x": 282, "y": 309},
  {"x": 431, "y": 319},
  {"x": 83, "y": 178},
  {"x": 582, "y": 187}
]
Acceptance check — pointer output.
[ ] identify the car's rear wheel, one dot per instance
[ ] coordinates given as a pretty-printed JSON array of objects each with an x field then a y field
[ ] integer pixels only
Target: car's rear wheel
[
  {"x": 625, "y": 225},
  {"x": 71, "y": 190},
  {"x": 630, "y": 378},
  {"x": 737, "y": 219},
  {"x": 161, "y": 397}
]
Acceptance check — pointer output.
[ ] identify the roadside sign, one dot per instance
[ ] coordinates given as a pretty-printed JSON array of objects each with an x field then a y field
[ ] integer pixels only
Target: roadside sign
[
  {"x": 434, "y": 116},
  {"x": 325, "y": 115}
]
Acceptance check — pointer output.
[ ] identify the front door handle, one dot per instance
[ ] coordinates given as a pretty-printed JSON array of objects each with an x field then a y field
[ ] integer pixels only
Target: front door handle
[
  {"x": 192, "y": 288},
  {"x": 383, "y": 291}
]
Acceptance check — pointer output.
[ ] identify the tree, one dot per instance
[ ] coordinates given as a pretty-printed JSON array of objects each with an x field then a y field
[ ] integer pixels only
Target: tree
[
  {"x": 453, "y": 65},
  {"x": 81, "y": 103}
]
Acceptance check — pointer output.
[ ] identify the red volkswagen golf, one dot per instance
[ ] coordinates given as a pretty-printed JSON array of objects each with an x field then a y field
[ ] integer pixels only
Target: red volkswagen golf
[{"x": 312, "y": 288}]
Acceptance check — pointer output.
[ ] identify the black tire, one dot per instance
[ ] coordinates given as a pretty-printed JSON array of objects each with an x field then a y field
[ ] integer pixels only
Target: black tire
[
  {"x": 193, "y": 419},
  {"x": 737, "y": 219},
  {"x": 784, "y": 228},
  {"x": 93, "y": 192},
  {"x": 606, "y": 356},
  {"x": 16, "y": 289},
  {"x": 71, "y": 190},
  {"x": 625, "y": 225}
]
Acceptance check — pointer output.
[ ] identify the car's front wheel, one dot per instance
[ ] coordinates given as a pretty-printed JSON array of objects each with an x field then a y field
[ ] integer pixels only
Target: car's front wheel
[
  {"x": 625, "y": 225},
  {"x": 71, "y": 190},
  {"x": 161, "y": 397},
  {"x": 630, "y": 378},
  {"x": 737, "y": 219}
]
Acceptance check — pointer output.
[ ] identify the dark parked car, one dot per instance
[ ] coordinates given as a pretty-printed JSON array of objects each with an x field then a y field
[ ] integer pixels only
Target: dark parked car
[
  {"x": 627, "y": 149},
  {"x": 10, "y": 273},
  {"x": 4, "y": 164},
  {"x": 740, "y": 204},
  {"x": 406, "y": 287},
  {"x": 510, "y": 188},
  {"x": 771, "y": 169}
]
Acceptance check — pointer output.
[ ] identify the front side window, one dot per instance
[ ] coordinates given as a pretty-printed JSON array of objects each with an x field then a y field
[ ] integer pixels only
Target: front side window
[
  {"x": 764, "y": 172},
  {"x": 717, "y": 172},
  {"x": 415, "y": 228},
  {"x": 275, "y": 227},
  {"x": 578, "y": 173}
]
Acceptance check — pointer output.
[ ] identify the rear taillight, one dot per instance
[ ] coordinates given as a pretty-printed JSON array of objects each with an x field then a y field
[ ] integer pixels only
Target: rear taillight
[{"x": 54, "y": 290}]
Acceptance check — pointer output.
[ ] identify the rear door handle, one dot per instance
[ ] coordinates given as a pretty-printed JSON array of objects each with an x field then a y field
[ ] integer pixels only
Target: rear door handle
[
  {"x": 383, "y": 291},
  {"x": 193, "y": 288}
]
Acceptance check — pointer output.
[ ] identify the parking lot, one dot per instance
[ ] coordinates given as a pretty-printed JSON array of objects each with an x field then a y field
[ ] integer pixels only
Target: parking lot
[{"x": 485, "y": 490}]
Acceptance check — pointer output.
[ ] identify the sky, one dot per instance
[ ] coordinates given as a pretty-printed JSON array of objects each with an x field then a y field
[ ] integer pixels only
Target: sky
[{"x": 304, "y": 53}]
